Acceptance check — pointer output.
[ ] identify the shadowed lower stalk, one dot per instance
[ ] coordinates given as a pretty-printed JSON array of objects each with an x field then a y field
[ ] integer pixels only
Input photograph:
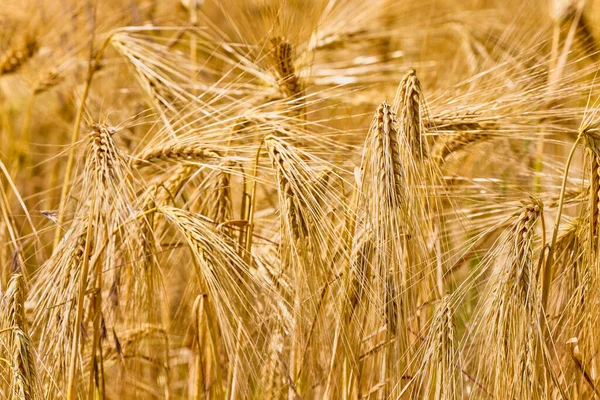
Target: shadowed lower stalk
[
  {"x": 79, "y": 316},
  {"x": 586, "y": 321},
  {"x": 199, "y": 374},
  {"x": 24, "y": 379},
  {"x": 440, "y": 371}
]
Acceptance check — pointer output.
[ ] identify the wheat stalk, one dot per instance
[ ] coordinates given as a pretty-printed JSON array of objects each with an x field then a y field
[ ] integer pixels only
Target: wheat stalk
[{"x": 272, "y": 371}]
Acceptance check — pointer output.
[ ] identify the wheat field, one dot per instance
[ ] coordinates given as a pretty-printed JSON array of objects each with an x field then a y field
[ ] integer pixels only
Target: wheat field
[{"x": 299, "y": 199}]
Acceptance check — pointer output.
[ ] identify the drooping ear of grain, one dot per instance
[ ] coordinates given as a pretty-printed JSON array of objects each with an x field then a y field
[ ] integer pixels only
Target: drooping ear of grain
[
  {"x": 303, "y": 196},
  {"x": 225, "y": 276},
  {"x": 306, "y": 251},
  {"x": 506, "y": 334},
  {"x": 178, "y": 152}
]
